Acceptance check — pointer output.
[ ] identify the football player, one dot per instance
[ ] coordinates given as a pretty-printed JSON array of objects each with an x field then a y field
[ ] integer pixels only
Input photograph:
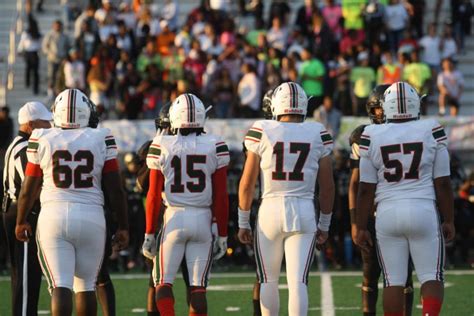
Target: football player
[
  {"x": 104, "y": 286},
  {"x": 190, "y": 169},
  {"x": 162, "y": 125},
  {"x": 290, "y": 155},
  {"x": 404, "y": 169},
  {"x": 268, "y": 115},
  {"x": 73, "y": 166},
  {"x": 370, "y": 265}
]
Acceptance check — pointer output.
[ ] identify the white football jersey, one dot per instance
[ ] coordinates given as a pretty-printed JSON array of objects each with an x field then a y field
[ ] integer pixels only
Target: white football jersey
[
  {"x": 289, "y": 156},
  {"x": 72, "y": 161},
  {"x": 188, "y": 163},
  {"x": 402, "y": 159}
]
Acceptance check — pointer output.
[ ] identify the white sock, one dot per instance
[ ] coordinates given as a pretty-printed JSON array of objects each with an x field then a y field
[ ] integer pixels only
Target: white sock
[
  {"x": 269, "y": 299},
  {"x": 297, "y": 298}
]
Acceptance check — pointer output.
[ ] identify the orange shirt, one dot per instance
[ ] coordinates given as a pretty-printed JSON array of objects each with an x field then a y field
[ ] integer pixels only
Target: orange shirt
[{"x": 164, "y": 41}]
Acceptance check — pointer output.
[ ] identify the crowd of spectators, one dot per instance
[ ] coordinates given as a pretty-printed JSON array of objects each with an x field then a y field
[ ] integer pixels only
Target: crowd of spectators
[{"x": 131, "y": 57}]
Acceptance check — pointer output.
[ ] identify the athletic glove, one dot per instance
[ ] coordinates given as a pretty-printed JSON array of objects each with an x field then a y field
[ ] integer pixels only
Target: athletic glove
[
  {"x": 220, "y": 247},
  {"x": 149, "y": 246}
]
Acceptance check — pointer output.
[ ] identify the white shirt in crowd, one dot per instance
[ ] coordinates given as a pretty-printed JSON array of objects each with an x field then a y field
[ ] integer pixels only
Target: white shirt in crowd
[
  {"x": 74, "y": 74},
  {"x": 170, "y": 12},
  {"x": 28, "y": 43},
  {"x": 450, "y": 49},
  {"x": 431, "y": 50},
  {"x": 249, "y": 91},
  {"x": 223, "y": 5},
  {"x": 396, "y": 17},
  {"x": 453, "y": 82},
  {"x": 278, "y": 38}
]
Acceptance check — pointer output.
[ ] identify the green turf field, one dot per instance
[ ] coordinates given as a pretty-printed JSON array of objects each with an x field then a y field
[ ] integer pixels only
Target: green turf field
[{"x": 232, "y": 293}]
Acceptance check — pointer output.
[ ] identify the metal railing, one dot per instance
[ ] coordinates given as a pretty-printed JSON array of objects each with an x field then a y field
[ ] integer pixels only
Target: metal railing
[{"x": 16, "y": 28}]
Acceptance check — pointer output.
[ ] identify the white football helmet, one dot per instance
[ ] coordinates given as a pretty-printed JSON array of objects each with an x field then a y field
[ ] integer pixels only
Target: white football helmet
[
  {"x": 401, "y": 101},
  {"x": 71, "y": 109},
  {"x": 187, "y": 111},
  {"x": 289, "y": 98}
]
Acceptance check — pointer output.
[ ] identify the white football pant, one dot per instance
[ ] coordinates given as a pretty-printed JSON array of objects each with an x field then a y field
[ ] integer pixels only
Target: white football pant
[
  {"x": 286, "y": 226},
  {"x": 71, "y": 240}
]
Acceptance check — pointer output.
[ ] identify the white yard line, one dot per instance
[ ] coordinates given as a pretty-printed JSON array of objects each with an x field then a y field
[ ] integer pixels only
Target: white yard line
[
  {"x": 218, "y": 275},
  {"x": 327, "y": 299}
]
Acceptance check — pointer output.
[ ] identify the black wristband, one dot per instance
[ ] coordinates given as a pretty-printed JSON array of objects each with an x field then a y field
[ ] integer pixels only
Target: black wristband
[{"x": 352, "y": 213}]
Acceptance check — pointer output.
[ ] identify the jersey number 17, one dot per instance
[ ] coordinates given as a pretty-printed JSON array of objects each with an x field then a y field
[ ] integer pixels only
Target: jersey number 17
[{"x": 302, "y": 149}]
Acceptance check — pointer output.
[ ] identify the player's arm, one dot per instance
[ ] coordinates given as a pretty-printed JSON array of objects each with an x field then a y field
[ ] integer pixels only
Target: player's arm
[
  {"x": 115, "y": 195},
  {"x": 354, "y": 180},
  {"x": 220, "y": 200},
  {"x": 326, "y": 197},
  {"x": 365, "y": 200},
  {"x": 153, "y": 201},
  {"x": 31, "y": 186},
  {"x": 220, "y": 210},
  {"x": 442, "y": 183},
  {"x": 246, "y": 194},
  {"x": 29, "y": 193},
  {"x": 143, "y": 172}
]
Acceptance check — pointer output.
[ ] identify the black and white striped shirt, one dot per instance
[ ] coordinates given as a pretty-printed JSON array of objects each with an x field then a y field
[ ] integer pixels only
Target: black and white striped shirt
[{"x": 16, "y": 166}]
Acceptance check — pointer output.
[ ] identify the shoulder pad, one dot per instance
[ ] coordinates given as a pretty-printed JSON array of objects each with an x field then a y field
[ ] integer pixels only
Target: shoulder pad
[{"x": 355, "y": 135}]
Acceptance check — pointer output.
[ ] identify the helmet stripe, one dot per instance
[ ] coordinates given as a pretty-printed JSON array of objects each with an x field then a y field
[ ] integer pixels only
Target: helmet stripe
[
  {"x": 401, "y": 97},
  {"x": 193, "y": 112},
  {"x": 67, "y": 108},
  {"x": 293, "y": 95},
  {"x": 398, "y": 98},
  {"x": 188, "y": 106},
  {"x": 404, "y": 101},
  {"x": 73, "y": 106}
]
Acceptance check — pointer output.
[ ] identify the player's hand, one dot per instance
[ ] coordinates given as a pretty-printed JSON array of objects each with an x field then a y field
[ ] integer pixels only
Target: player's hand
[
  {"x": 23, "y": 231},
  {"x": 449, "y": 232},
  {"x": 321, "y": 237},
  {"x": 149, "y": 246},
  {"x": 354, "y": 232},
  {"x": 120, "y": 240},
  {"x": 220, "y": 247},
  {"x": 364, "y": 240},
  {"x": 245, "y": 236}
]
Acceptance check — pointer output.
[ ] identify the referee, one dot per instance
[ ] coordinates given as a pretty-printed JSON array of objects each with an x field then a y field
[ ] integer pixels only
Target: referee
[{"x": 26, "y": 271}]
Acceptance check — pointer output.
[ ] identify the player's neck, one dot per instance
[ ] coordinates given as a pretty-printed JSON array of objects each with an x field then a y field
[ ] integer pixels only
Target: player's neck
[{"x": 291, "y": 118}]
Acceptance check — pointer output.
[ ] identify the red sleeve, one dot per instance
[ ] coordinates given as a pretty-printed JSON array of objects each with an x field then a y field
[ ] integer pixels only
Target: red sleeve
[
  {"x": 464, "y": 195},
  {"x": 220, "y": 200},
  {"x": 110, "y": 166},
  {"x": 153, "y": 200},
  {"x": 33, "y": 170}
]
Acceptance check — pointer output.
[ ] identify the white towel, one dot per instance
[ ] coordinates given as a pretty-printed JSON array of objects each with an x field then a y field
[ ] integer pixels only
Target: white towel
[{"x": 291, "y": 218}]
